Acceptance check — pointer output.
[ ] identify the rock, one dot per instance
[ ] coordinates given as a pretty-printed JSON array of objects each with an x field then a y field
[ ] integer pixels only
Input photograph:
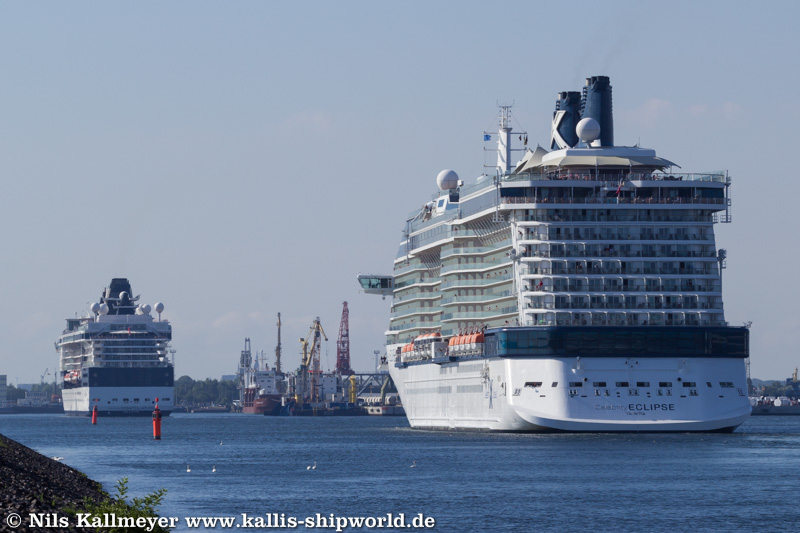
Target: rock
[{"x": 33, "y": 483}]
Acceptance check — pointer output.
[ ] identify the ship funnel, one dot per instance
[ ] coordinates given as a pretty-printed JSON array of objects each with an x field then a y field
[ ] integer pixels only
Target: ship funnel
[
  {"x": 565, "y": 119},
  {"x": 596, "y": 104}
]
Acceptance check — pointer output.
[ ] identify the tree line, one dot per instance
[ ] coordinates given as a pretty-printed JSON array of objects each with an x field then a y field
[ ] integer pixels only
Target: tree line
[
  {"x": 205, "y": 392},
  {"x": 187, "y": 391}
]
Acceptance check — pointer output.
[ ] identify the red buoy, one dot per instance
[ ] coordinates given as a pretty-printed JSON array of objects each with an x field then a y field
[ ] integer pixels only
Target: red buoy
[
  {"x": 94, "y": 415},
  {"x": 157, "y": 422}
]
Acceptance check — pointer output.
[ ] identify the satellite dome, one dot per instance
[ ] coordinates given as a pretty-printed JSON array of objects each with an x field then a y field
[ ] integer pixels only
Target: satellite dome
[
  {"x": 588, "y": 130},
  {"x": 95, "y": 307},
  {"x": 159, "y": 307},
  {"x": 146, "y": 309},
  {"x": 103, "y": 309},
  {"x": 447, "y": 179}
]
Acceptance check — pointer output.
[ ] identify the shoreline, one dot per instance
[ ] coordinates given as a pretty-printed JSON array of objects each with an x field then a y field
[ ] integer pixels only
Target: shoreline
[{"x": 33, "y": 483}]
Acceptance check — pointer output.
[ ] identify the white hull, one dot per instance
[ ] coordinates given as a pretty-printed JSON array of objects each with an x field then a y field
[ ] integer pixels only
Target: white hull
[
  {"x": 491, "y": 394},
  {"x": 111, "y": 400}
]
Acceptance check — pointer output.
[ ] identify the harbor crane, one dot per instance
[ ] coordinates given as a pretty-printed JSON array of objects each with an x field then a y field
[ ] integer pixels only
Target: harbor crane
[
  {"x": 278, "y": 348},
  {"x": 343, "y": 345},
  {"x": 310, "y": 367}
]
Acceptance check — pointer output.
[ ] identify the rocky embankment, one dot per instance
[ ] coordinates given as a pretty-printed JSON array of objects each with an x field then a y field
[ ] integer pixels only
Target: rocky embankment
[{"x": 33, "y": 483}]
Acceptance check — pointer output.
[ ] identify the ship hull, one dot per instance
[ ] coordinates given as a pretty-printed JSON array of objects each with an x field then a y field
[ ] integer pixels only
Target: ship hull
[
  {"x": 269, "y": 404},
  {"x": 534, "y": 394},
  {"x": 80, "y": 401}
]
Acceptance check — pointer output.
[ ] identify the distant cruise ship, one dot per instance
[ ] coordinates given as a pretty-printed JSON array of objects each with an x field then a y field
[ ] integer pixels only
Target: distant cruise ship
[
  {"x": 117, "y": 357},
  {"x": 578, "y": 290}
]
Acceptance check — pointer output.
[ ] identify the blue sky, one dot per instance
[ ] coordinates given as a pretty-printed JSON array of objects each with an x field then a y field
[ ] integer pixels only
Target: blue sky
[{"x": 236, "y": 160}]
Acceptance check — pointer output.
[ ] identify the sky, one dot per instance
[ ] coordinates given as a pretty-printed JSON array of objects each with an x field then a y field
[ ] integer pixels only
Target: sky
[{"x": 234, "y": 160}]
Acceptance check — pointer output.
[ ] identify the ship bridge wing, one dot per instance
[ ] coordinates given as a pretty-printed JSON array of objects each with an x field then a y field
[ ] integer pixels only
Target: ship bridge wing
[{"x": 376, "y": 284}]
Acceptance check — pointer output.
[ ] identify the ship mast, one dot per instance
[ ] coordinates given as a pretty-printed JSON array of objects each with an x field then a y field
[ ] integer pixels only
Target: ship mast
[
  {"x": 278, "y": 348},
  {"x": 504, "y": 141}
]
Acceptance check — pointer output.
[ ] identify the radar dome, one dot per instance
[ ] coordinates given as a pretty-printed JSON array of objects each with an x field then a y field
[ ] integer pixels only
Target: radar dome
[
  {"x": 447, "y": 179},
  {"x": 159, "y": 307},
  {"x": 103, "y": 309},
  {"x": 95, "y": 307},
  {"x": 146, "y": 309},
  {"x": 588, "y": 130}
]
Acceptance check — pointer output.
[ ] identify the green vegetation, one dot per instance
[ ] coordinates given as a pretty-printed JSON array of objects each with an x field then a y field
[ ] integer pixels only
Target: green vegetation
[
  {"x": 146, "y": 507},
  {"x": 14, "y": 394},
  {"x": 206, "y": 392},
  {"x": 773, "y": 388}
]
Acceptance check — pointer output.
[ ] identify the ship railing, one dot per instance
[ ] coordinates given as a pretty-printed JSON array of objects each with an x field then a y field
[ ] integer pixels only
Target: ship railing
[
  {"x": 503, "y": 262},
  {"x": 415, "y": 311},
  {"x": 580, "y": 237},
  {"x": 610, "y": 200},
  {"x": 683, "y": 289},
  {"x": 414, "y": 281},
  {"x": 620, "y": 216},
  {"x": 613, "y": 178},
  {"x": 637, "y": 307},
  {"x": 533, "y": 270},
  {"x": 472, "y": 282},
  {"x": 590, "y": 255},
  {"x": 476, "y": 250},
  {"x": 479, "y": 298}
]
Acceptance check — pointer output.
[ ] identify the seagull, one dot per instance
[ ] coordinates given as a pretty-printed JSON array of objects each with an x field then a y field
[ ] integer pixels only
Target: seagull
[
  {"x": 414, "y": 463},
  {"x": 57, "y": 458},
  {"x": 220, "y": 443},
  {"x": 312, "y": 467},
  {"x": 214, "y": 469},
  {"x": 188, "y": 469}
]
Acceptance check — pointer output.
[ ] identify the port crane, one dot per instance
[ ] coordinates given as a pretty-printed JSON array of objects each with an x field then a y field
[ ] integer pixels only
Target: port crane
[
  {"x": 343, "y": 345},
  {"x": 278, "y": 348},
  {"x": 310, "y": 367}
]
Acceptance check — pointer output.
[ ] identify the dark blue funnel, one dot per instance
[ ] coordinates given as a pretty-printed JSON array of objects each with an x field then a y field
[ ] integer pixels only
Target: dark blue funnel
[
  {"x": 570, "y": 104},
  {"x": 597, "y": 105}
]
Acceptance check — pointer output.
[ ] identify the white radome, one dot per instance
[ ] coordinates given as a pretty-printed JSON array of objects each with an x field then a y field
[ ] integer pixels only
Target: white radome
[
  {"x": 103, "y": 309},
  {"x": 588, "y": 130},
  {"x": 447, "y": 179},
  {"x": 95, "y": 307},
  {"x": 159, "y": 307}
]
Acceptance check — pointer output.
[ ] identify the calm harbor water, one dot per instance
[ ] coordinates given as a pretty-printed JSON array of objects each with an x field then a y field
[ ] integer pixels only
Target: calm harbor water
[{"x": 745, "y": 481}]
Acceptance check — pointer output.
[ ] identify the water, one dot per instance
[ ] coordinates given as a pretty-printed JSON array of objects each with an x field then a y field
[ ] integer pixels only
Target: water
[{"x": 745, "y": 481}]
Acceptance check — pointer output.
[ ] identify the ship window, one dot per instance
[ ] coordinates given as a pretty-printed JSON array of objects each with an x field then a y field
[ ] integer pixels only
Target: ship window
[
  {"x": 599, "y": 384},
  {"x": 709, "y": 384},
  {"x": 555, "y": 384},
  {"x": 689, "y": 384},
  {"x": 441, "y": 202},
  {"x": 576, "y": 383},
  {"x": 622, "y": 384},
  {"x": 533, "y": 384},
  {"x": 642, "y": 383},
  {"x": 665, "y": 384},
  {"x": 726, "y": 384}
]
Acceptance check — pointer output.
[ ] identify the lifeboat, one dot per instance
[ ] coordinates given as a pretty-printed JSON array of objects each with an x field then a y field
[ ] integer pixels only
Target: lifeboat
[{"x": 479, "y": 342}]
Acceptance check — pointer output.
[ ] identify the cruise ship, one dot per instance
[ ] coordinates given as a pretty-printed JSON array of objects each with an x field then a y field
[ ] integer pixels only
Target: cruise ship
[
  {"x": 579, "y": 289},
  {"x": 117, "y": 357}
]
